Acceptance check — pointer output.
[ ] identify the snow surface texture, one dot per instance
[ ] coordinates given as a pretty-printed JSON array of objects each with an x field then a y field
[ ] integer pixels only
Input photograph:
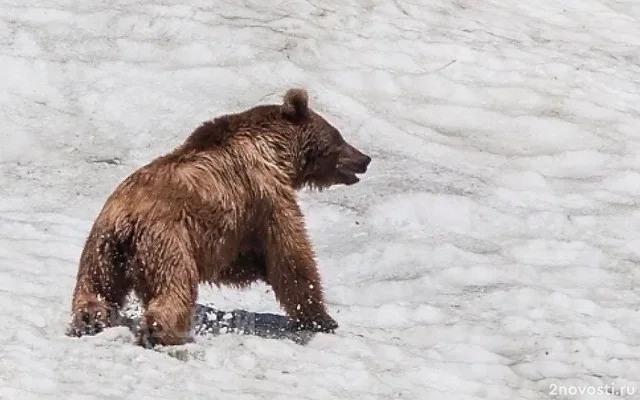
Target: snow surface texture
[{"x": 491, "y": 252}]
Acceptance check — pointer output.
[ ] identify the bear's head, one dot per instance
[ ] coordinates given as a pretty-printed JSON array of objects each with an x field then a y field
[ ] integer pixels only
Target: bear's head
[{"x": 323, "y": 158}]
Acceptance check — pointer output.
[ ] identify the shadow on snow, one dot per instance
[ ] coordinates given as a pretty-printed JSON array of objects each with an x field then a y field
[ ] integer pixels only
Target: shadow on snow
[{"x": 209, "y": 321}]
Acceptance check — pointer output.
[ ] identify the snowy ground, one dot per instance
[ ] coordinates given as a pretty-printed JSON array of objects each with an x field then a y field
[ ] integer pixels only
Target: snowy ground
[{"x": 491, "y": 252}]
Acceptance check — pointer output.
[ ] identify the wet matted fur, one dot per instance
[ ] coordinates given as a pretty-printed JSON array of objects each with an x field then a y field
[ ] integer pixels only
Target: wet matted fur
[{"x": 221, "y": 208}]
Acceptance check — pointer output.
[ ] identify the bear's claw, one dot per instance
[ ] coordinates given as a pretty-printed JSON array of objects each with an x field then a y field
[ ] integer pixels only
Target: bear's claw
[
  {"x": 148, "y": 335},
  {"x": 89, "y": 320}
]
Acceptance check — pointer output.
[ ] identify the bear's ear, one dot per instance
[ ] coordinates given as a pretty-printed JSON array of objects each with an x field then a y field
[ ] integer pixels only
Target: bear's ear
[{"x": 295, "y": 104}]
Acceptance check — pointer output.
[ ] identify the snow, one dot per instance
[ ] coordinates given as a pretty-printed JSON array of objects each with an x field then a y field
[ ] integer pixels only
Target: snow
[{"x": 491, "y": 252}]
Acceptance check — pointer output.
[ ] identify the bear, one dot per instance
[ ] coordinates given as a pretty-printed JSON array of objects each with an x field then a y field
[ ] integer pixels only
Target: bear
[{"x": 221, "y": 208}]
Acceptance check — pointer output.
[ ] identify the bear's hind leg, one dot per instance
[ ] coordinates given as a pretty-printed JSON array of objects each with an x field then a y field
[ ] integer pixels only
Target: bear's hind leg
[
  {"x": 168, "y": 289},
  {"x": 168, "y": 316},
  {"x": 101, "y": 288}
]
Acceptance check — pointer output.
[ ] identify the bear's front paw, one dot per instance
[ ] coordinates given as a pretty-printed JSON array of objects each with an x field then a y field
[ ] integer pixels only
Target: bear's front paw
[
  {"x": 322, "y": 323},
  {"x": 90, "y": 319}
]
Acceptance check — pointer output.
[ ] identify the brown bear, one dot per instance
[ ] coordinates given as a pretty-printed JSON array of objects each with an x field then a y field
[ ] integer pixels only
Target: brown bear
[{"x": 222, "y": 209}]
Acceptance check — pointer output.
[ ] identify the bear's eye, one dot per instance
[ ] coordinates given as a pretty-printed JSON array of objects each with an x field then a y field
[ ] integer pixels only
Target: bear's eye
[{"x": 309, "y": 157}]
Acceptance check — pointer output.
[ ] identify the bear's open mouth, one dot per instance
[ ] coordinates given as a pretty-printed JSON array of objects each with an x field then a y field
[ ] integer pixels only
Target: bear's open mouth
[{"x": 347, "y": 174}]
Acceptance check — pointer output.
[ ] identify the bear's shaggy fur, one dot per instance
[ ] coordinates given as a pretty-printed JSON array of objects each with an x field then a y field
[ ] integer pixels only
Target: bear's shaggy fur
[{"x": 221, "y": 208}]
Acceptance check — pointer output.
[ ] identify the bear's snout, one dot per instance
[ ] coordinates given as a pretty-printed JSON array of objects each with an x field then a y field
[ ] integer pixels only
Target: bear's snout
[
  {"x": 363, "y": 164},
  {"x": 351, "y": 162},
  {"x": 355, "y": 160}
]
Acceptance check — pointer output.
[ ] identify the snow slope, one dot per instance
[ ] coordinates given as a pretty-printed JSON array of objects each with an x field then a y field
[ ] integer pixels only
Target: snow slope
[{"x": 490, "y": 253}]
